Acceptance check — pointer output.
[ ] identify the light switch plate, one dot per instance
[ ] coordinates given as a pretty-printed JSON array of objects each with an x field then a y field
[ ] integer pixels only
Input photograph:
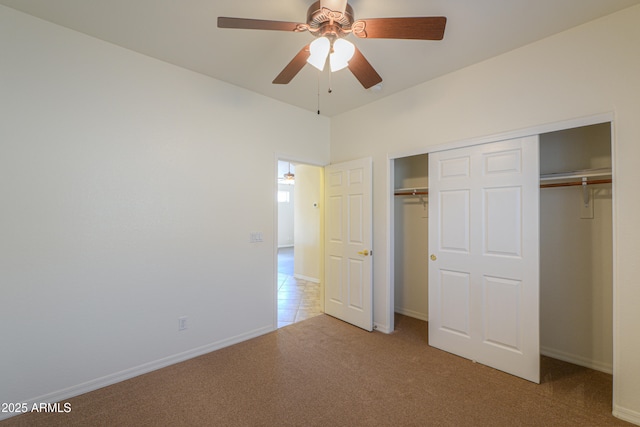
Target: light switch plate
[
  {"x": 182, "y": 323},
  {"x": 255, "y": 237}
]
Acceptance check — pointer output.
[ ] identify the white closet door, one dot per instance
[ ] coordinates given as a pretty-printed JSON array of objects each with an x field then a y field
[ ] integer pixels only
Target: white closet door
[
  {"x": 348, "y": 242},
  {"x": 484, "y": 246}
]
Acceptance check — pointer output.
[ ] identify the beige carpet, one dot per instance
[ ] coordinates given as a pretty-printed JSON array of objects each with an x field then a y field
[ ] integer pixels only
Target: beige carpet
[{"x": 323, "y": 372}]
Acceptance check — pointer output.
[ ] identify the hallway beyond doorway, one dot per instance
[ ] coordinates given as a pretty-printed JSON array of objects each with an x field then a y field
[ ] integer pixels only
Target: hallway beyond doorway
[{"x": 297, "y": 299}]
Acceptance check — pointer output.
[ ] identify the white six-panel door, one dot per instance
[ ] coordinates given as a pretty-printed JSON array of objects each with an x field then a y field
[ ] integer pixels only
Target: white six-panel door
[
  {"x": 484, "y": 250},
  {"x": 348, "y": 234}
]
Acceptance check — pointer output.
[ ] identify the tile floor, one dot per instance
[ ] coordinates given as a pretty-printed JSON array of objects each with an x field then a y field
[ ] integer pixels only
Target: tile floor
[{"x": 297, "y": 299}]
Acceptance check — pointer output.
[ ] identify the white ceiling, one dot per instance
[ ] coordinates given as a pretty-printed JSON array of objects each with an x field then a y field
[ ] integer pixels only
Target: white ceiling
[{"x": 184, "y": 33}]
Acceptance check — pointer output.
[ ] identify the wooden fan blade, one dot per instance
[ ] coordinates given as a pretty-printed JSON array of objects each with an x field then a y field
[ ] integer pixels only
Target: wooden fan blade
[
  {"x": 363, "y": 71},
  {"x": 417, "y": 28},
  {"x": 293, "y": 68},
  {"x": 256, "y": 24},
  {"x": 335, "y": 5}
]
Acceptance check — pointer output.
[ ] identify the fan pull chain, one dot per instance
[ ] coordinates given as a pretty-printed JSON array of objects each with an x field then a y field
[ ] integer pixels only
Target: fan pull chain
[
  {"x": 330, "y": 90},
  {"x": 318, "y": 92}
]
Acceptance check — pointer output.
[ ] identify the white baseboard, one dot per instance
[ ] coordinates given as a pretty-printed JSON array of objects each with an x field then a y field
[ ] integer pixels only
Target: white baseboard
[
  {"x": 307, "y": 278},
  {"x": 626, "y": 415},
  {"x": 67, "y": 393},
  {"x": 577, "y": 360},
  {"x": 411, "y": 313}
]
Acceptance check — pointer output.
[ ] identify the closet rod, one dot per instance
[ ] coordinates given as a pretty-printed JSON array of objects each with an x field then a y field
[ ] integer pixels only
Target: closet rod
[
  {"x": 576, "y": 183},
  {"x": 412, "y": 193},
  {"x": 557, "y": 184}
]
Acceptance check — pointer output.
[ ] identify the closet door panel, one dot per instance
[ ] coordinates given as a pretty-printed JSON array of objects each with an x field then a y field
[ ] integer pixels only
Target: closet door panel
[
  {"x": 454, "y": 218},
  {"x": 454, "y": 302},
  {"x": 502, "y": 317},
  {"x": 502, "y": 216}
]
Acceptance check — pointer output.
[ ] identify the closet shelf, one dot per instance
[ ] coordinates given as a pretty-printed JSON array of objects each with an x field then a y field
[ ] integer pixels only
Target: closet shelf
[
  {"x": 411, "y": 191},
  {"x": 577, "y": 178},
  {"x": 586, "y": 173},
  {"x": 564, "y": 179}
]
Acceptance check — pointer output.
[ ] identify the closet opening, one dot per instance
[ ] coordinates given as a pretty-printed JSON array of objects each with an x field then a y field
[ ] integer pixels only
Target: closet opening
[
  {"x": 576, "y": 247},
  {"x": 411, "y": 236}
]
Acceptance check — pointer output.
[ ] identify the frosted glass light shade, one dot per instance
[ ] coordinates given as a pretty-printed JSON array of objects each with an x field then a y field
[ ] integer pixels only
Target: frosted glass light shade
[
  {"x": 319, "y": 49},
  {"x": 342, "y": 53}
]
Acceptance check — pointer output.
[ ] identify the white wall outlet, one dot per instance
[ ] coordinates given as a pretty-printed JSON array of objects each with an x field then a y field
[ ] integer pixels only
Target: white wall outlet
[{"x": 182, "y": 323}]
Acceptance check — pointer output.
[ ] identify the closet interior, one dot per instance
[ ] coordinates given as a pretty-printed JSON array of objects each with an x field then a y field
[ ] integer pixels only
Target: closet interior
[
  {"x": 411, "y": 230},
  {"x": 576, "y": 272},
  {"x": 576, "y": 246}
]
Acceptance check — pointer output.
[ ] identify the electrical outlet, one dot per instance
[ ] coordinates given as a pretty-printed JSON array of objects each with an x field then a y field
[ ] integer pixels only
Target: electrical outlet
[{"x": 182, "y": 323}]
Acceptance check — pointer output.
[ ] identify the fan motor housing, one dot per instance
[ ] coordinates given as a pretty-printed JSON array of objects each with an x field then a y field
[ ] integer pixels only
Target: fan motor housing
[{"x": 325, "y": 22}]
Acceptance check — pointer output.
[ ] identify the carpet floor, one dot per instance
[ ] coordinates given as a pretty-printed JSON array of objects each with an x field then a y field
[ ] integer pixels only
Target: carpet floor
[{"x": 323, "y": 372}]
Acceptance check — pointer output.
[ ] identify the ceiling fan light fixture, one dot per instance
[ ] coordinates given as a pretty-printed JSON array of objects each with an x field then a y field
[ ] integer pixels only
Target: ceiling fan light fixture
[
  {"x": 332, "y": 20},
  {"x": 319, "y": 49},
  {"x": 343, "y": 51}
]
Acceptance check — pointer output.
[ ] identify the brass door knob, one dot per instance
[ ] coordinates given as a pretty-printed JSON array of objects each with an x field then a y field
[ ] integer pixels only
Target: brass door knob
[
  {"x": 365, "y": 252},
  {"x": 433, "y": 257}
]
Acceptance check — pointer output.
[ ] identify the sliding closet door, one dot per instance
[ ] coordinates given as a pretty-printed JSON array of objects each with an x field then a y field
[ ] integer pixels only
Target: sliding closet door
[{"x": 484, "y": 267}]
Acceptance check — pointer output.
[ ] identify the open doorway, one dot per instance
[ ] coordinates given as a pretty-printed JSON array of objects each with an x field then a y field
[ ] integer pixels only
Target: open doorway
[{"x": 299, "y": 261}]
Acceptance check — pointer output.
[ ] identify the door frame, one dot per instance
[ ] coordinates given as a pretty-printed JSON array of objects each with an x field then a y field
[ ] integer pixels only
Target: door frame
[
  {"x": 534, "y": 130},
  {"x": 293, "y": 159}
]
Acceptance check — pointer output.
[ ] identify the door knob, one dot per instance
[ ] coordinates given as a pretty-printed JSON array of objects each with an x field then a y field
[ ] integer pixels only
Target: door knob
[
  {"x": 365, "y": 252},
  {"x": 433, "y": 257}
]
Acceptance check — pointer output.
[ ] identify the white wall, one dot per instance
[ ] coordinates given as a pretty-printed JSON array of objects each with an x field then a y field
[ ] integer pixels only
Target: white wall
[
  {"x": 591, "y": 69},
  {"x": 308, "y": 248},
  {"x": 129, "y": 190}
]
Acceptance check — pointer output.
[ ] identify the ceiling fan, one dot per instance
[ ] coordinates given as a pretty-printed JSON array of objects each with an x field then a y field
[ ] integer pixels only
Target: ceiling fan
[{"x": 330, "y": 21}]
